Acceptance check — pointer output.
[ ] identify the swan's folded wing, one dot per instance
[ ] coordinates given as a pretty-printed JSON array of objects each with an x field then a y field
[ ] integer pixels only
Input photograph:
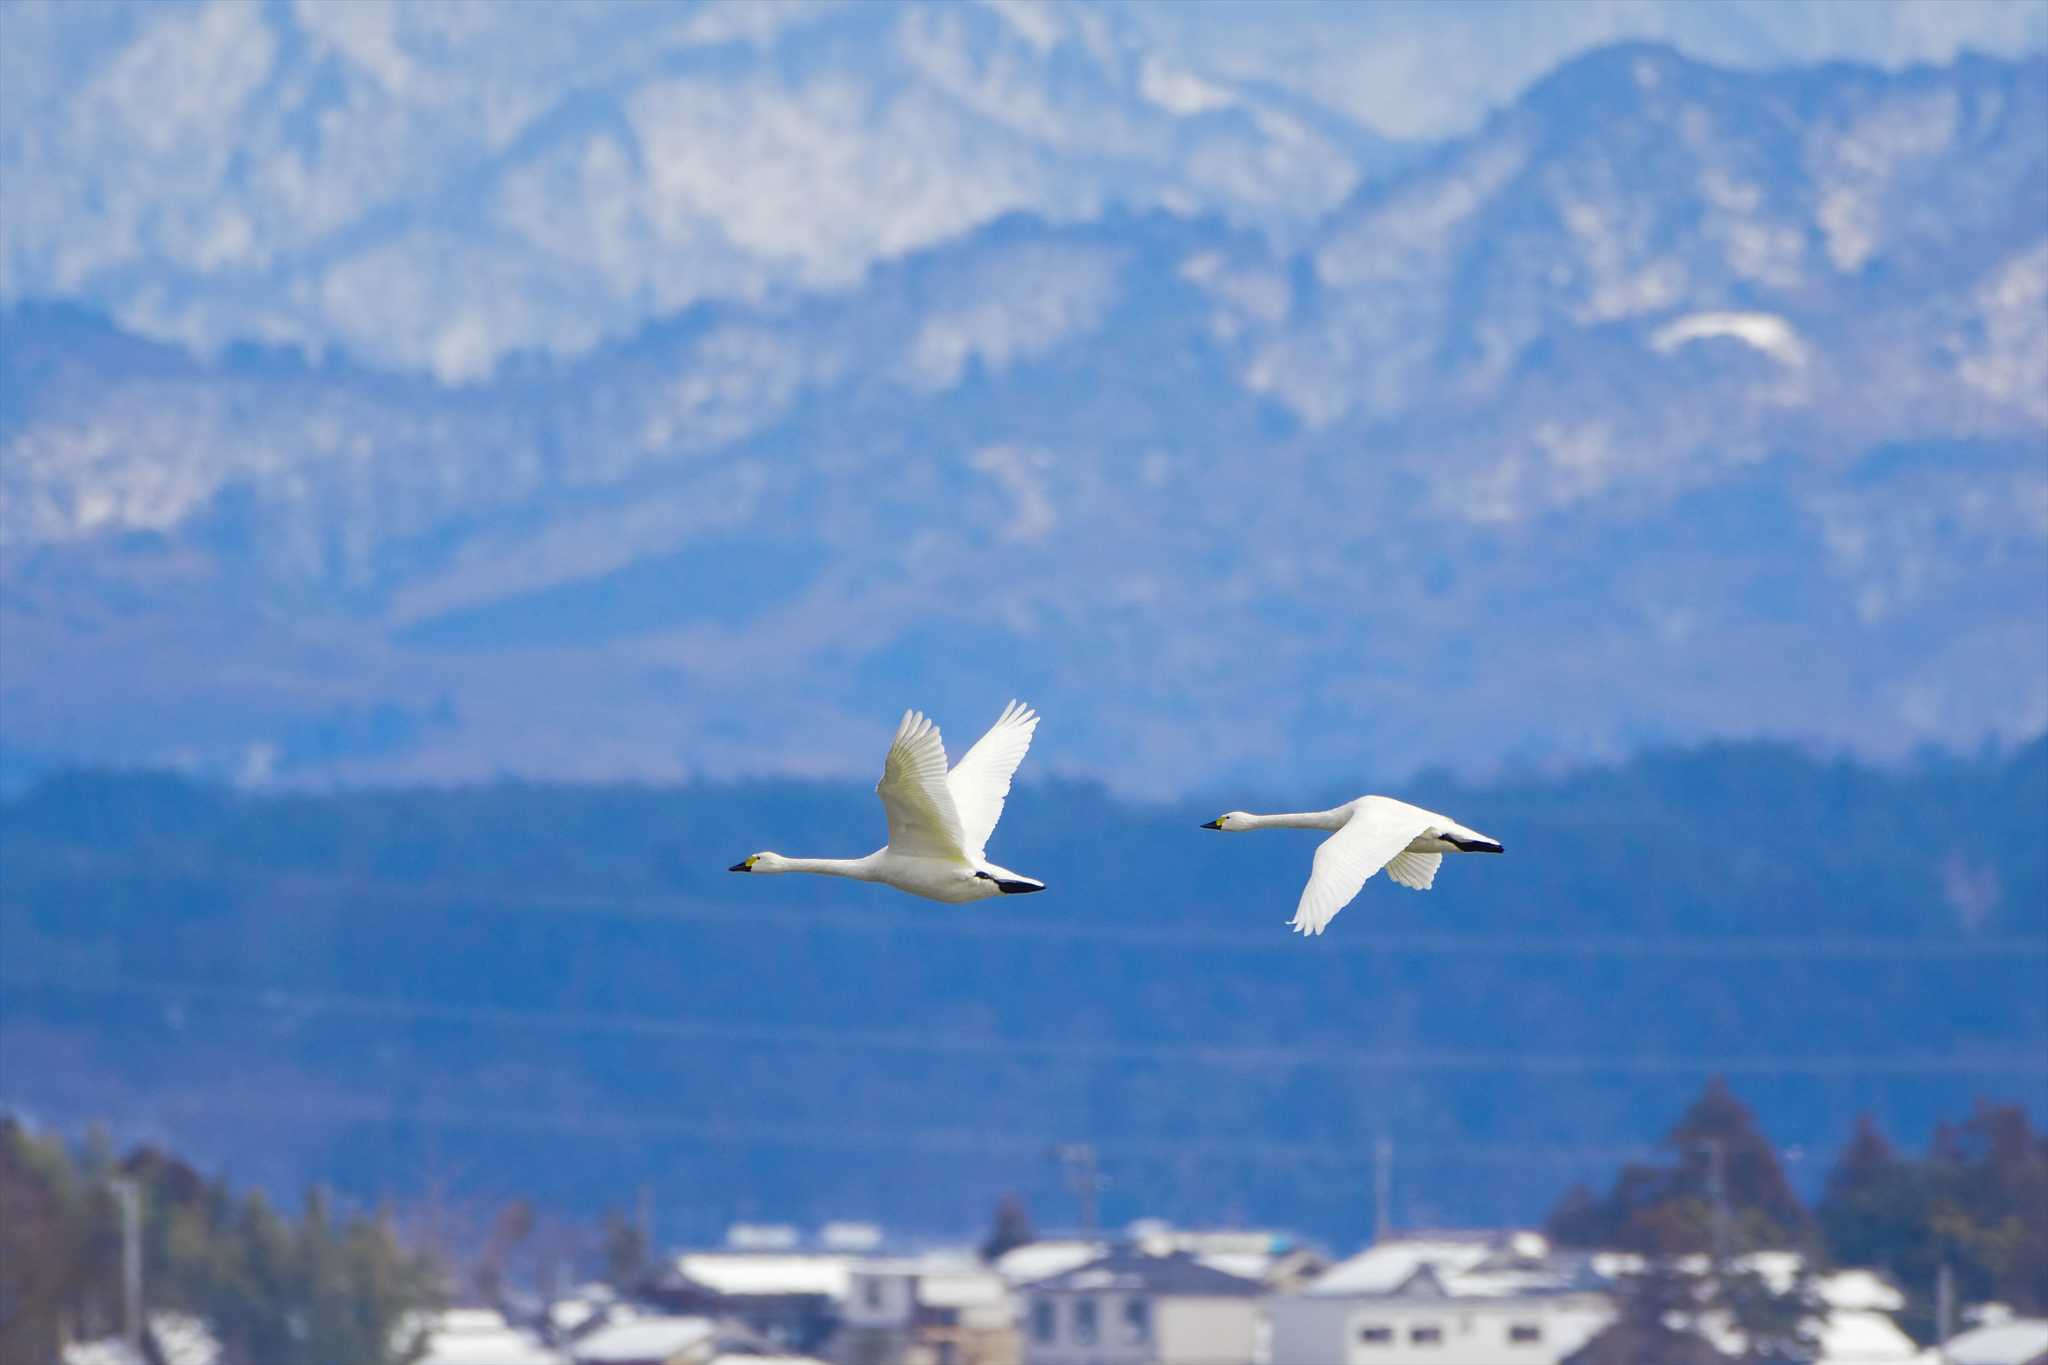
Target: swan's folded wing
[
  {"x": 1348, "y": 857},
  {"x": 980, "y": 781},
  {"x": 922, "y": 820},
  {"x": 1414, "y": 870}
]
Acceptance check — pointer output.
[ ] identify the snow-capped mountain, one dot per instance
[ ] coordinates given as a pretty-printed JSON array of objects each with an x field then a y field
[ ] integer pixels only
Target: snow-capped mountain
[
  {"x": 1673, "y": 402},
  {"x": 433, "y": 187}
]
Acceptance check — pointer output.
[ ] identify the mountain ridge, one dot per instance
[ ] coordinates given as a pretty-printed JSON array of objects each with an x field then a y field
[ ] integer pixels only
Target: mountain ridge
[{"x": 1578, "y": 448}]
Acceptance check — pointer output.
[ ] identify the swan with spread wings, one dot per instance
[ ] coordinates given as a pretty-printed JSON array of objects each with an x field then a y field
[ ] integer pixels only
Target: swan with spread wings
[
  {"x": 939, "y": 821},
  {"x": 1368, "y": 834}
]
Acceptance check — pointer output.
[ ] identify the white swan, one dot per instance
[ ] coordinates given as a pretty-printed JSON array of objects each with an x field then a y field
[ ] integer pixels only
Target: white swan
[
  {"x": 1371, "y": 833},
  {"x": 939, "y": 821}
]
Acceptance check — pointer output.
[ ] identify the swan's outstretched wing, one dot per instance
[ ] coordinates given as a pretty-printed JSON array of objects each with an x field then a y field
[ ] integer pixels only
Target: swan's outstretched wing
[
  {"x": 980, "y": 781},
  {"x": 923, "y": 822},
  {"x": 1372, "y": 836}
]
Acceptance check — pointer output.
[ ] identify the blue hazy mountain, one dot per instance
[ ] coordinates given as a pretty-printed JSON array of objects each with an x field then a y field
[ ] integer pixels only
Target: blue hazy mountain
[
  {"x": 557, "y": 991},
  {"x": 1674, "y": 402}
]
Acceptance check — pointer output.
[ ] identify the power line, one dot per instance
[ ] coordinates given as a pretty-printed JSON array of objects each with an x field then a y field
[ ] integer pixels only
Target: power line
[
  {"x": 945, "y": 1043},
  {"x": 331, "y": 1108},
  {"x": 1150, "y": 935}
]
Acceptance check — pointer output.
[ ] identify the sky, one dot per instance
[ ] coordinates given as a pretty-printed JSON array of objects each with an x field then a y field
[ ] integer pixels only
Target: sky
[{"x": 1417, "y": 69}]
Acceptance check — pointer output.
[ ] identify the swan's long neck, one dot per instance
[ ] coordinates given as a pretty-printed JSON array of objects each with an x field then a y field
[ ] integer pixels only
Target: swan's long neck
[
  {"x": 1313, "y": 819},
  {"x": 860, "y": 869}
]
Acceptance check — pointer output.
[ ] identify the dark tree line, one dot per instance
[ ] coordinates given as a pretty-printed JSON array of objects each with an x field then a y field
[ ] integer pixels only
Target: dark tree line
[
  {"x": 265, "y": 920},
  {"x": 315, "y": 1289}
]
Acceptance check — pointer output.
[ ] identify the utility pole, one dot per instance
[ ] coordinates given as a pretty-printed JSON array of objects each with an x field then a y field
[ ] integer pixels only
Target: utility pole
[
  {"x": 1382, "y": 1189},
  {"x": 1944, "y": 1311},
  {"x": 129, "y": 1195},
  {"x": 1717, "y": 1194},
  {"x": 645, "y": 1217},
  {"x": 1082, "y": 1178}
]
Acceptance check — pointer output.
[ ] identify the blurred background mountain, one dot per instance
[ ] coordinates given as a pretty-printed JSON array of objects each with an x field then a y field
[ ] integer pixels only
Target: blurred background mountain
[
  {"x": 434, "y": 393},
  {"x": 1579, "y": 418}
]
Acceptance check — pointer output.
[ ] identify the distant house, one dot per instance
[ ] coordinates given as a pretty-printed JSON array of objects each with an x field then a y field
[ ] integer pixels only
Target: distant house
[
  {"x": 1275, "y": 1259},
  {"x": 790, "y": 1298},
  {"x": 658, "y": 1341},
  {"x": 1128, "y": 1307},
  {"x": 940, "y": 1309},
  {"x": 1455, "y": 1298},
  {"x": 1857, "y": 1328}
]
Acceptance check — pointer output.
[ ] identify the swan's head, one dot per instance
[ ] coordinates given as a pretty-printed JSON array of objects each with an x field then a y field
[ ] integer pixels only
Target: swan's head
[
  {"x": 1229, "y": 820},
  {"x": 759, "y": 862}
]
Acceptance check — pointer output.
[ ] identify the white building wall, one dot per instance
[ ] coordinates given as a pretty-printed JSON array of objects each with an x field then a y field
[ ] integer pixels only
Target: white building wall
[
  {"x": 1204, "y": 1331},
  {"x": 1333, "y": 1331},
  {"x": 1110, "y": 1345},
  {"x": 1303, "y": 1330},
  {"x": 877, "y": 1298}
]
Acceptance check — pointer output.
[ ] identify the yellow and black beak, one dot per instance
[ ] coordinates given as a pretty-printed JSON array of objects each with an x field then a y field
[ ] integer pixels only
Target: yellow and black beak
[
  {"x": 747, "y": 866},
  {"x": 1217, "y": 823}
]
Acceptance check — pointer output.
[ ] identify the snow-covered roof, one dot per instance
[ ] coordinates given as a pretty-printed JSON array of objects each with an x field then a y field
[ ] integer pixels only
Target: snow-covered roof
[
  {"x": 753, "y": 1272},
  {"x": 850, "y": 1236},
  {"x": 585, "y": 1303},
  {"x": 1848, "y": 1289},
  {"x": 1479, "y": 1264},
  {"x": 643, "y": 1339},
  {"x": 1039, "y": 1260},
  {"x": 1129, "y": 1269},
  {"x": 1250, "y": 1265},
  {"x": 2013, "y": 1342},
  {"x": 1247, "y": 1252},
  {"x": 182, "y": 1339},
  {"x": 1861, "y": 1336},
  {"x": 478, "y": 1336},
  {"x": 106, "y": 1351},
  {"x": 762, "y": 1237},
  {"x": 467, "y": 1320}
]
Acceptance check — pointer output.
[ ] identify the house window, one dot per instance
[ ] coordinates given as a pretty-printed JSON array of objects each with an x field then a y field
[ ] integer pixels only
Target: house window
[
  {"x": 1137, "y": 1321},
  {"x": 1376, "y": 1334},
  {"x": 1084, "y": 1321},
  {"x": 1425, "y": 1336},
  {"x": 1042, "y": 1320},
  {"x": 1525, "y": 1333}
]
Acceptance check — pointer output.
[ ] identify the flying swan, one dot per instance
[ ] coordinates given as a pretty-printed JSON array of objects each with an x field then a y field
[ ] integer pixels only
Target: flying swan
[
  {"x": 1370, "y": 833},
  {"x": 939, "y": 821}
]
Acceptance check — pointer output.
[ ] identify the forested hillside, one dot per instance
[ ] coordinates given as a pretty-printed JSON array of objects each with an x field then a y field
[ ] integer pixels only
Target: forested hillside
[{"x": 558, "y": 991}]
